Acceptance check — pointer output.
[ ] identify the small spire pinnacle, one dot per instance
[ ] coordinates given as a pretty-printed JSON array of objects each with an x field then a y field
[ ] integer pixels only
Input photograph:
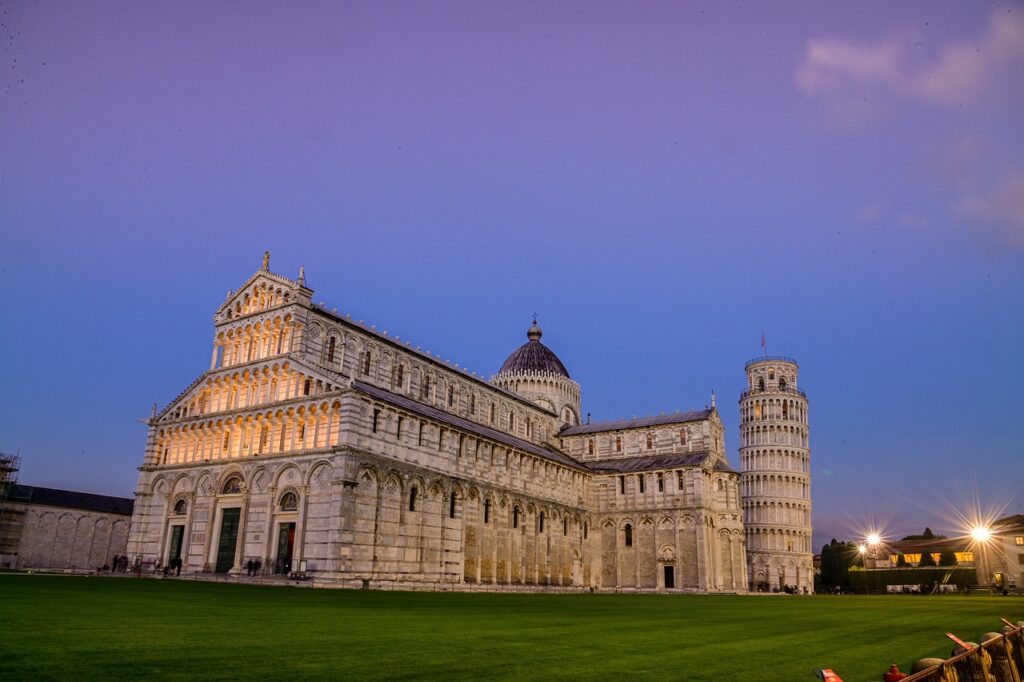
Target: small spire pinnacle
[
  {"x": 302, "y": 275},
  {"x": 266, "y": 261},
  {"x": 712, "y": 397}
]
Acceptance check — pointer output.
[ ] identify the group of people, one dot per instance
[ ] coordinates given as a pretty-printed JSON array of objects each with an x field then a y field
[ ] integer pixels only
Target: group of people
[
  {"x": 252, "y": 567},
  {"x": 119, "y": 564},
  {"x": 173, "y": 566}
]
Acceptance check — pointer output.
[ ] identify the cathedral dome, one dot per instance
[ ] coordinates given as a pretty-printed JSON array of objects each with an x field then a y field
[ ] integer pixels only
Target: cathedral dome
[{"x": 533, "y": 356}]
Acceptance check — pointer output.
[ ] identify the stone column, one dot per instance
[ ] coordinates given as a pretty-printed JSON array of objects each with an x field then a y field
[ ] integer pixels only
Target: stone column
[
  {"x": 243, "y": 517},
  {"x": 300, "y": 528}
]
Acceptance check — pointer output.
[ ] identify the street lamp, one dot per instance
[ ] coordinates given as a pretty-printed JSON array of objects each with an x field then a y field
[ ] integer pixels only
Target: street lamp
[
  {"x": 874, "y": 539},
  {"x": 981, "y": 534}
]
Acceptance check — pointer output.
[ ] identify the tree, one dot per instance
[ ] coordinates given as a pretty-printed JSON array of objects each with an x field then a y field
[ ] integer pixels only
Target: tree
[
  {"x": 926, "y": 535},
  {"x": 947, "y": 558},
  {"x": 926, "y": 558},
  {"x": 901, "y": 560},
  {"x": 836, "y": 559}
]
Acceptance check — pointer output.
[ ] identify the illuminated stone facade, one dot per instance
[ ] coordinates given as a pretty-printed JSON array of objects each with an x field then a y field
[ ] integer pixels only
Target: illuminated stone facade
[
  {"x": 319, "y": 444},
  {"x": 775, "y": 459}
]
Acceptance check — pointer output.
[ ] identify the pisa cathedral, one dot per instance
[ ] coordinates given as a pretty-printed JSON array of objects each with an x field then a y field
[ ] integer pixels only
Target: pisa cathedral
[{"x": 319, "y": 445}]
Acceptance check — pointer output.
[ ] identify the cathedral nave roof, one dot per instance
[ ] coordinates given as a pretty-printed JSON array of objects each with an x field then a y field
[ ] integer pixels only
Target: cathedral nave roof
[
  {"x": 606, "y": 466},
  {"x": 431, "y": 412},
  {"x": 638, "y": 422}
]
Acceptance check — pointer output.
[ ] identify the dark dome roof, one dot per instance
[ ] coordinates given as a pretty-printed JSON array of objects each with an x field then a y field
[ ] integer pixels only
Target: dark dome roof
[{"x": 533, "y": 356}]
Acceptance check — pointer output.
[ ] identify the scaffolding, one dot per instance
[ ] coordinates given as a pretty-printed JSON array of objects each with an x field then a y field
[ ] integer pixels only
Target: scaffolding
[{"x": 11, "y": 515}]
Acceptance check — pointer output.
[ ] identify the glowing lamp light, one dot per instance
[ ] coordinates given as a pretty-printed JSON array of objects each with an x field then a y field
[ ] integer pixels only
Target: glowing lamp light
[
  {"x": 874, "y": 539},
  {"x": 862, "y": 549},
  {"x": 981, "y": 533}
]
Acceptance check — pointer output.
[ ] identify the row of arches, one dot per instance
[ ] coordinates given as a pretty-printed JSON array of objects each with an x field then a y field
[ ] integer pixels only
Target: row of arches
[
  {"x": 773, "y": 435},
  {"x": 773, "y": 409},
  {"x": 775, "y": 485},
  {"x": 775, "y": 573},
  {"x": 775, "y": 460},
  {"x": 663, "y": 440},
  {"x": 504, "y": 538},
  {"x": 254, "y": 386},
  {"x": 778, "y": 540},
  {"x": 282, "y": 494},
  {"x": 786, "y": 513},
  {"x": 303, "y": 427},
  {"x": 57, "y": 539},
  {"x": 254, "y": 341},
  {"x": 260, "y": 296}
]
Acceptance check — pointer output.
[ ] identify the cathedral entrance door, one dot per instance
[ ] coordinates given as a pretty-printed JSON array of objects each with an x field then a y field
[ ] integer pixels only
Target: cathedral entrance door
[
  {"x": 228, "y": 540},
  {"x": 670, "y": 577},
  {"x": 285, "y": 547},
  {"x": 177, "y": 533}
]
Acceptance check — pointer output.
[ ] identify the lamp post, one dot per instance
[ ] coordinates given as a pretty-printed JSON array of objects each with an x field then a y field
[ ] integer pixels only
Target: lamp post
[{"x": 981, "y": 535}]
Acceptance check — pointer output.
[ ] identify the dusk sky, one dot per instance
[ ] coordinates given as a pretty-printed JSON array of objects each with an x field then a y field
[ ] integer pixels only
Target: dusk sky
[{"x": 660, "y": 182}]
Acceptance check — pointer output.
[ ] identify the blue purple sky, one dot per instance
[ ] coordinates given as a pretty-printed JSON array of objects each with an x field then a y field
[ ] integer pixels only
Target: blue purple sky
[{"x": 661, "y": 183}]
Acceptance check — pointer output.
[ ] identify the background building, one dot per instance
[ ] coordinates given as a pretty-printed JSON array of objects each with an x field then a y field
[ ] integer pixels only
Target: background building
[{"x": 51, "y": 529}]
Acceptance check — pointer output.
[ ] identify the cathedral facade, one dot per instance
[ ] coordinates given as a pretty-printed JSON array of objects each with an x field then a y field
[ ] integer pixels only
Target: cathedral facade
[{"x": 322, "y": 446}]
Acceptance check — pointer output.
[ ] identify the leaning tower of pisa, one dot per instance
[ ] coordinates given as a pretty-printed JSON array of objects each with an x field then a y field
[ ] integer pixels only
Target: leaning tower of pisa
[{"x": 775, "y": 465}]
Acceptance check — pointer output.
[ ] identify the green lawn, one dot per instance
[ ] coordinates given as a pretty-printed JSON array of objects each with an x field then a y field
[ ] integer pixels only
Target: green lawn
[{"x": 77, "y": 628}]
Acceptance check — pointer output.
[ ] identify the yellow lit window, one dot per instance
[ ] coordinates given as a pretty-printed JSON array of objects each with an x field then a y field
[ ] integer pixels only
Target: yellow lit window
[
  {"x": 1019, "y": 540},
  {"x": 965, "y": 557},
  {"x": 912, "y": 558}
]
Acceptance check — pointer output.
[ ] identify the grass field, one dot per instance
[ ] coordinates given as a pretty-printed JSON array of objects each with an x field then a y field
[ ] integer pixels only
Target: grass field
[{"x": 78, "y": 628}]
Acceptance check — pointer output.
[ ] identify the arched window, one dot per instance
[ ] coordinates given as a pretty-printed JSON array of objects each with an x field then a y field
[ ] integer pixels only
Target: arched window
[
  {"x": 629, "y": 535},
  {"x": 771, "y": 374},
  {"x": 565, "y": 525},
  {"x": 618, "y": 443},
  {"x": 650, "y": 441},
  {"x": 412, "y": 499},
  {"x": 540, "y": 522},
  {"x": 590, "y": 446},
  {"x": 472, "y": 403},
  {"x": 515, "y": 517},
  {"x": 451, "y": 396},
  {"x": 425, "y": 387},
  {"x": 232, "y": 486},
  {"x": 785, "y": 409},
  {"x": 782, "y": 383},
  {"x": 399, "y": 376},
  {"x": 180, "y": 507},
  {"x": 366, "y": 362},
  {"x": 451, "y": 505},
  {"x": 760, "y": 384},
  {"x": 289, "y": 502},
  {"x": 682, "y": 436},
  {"x": 330, "y": 350},
  {"x": 512, "y": 421},
  {"x": 487, "y": 511},
  {"x": 586, "y": 528}
]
